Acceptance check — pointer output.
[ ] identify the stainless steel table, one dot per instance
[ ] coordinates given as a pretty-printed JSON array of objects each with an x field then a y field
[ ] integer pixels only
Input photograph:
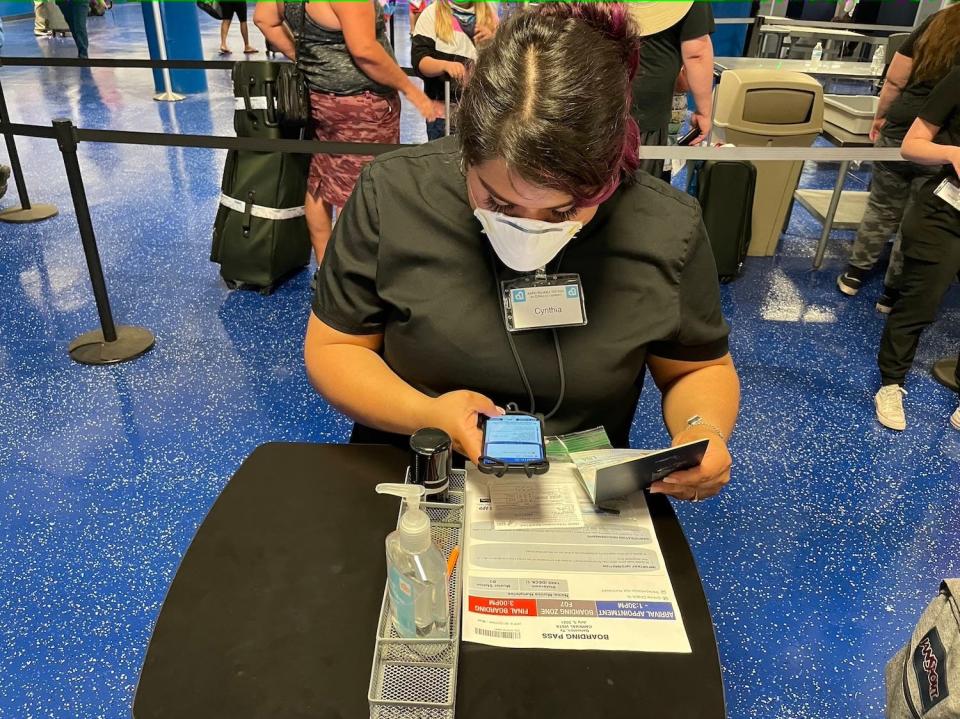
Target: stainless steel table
[{"x": 825, "y": 68}]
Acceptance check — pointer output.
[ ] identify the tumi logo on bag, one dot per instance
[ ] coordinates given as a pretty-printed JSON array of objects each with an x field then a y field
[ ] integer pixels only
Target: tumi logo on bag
[{"x": 930, "y": 665}]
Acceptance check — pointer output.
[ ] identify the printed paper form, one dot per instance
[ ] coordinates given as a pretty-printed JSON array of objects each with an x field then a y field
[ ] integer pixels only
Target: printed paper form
[
  {"x": 534, "y": 504},
  {"x": 599, "y": 586}
]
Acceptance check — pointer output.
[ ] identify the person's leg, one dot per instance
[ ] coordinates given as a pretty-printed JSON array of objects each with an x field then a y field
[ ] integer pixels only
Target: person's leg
[
  {"x": 885, "y": 207},
  {"x": 319, "y": 223},
  {"x": 891, "y": 279},
  {"x": 41, "y": 21},
  {"x": 81, "y": 10},
  {"x": 245, "y": 34},
  {"x": 224, "y": 29},
  {"x": 75, "y": 15}
]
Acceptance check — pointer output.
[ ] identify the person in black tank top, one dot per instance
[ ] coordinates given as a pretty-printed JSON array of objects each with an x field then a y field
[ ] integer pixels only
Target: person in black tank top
[{"x": 354, "y": 80}]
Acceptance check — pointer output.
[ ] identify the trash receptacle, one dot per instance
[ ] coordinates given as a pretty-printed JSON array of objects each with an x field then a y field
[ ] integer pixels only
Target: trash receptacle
[{"x": 769, "y": 108}]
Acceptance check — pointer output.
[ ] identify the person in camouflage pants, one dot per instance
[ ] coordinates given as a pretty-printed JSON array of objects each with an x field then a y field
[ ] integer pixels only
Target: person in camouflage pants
[{"x": 894, "y": 187}]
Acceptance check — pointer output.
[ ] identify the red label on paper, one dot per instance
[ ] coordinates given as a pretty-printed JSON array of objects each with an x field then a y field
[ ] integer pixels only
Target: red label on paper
[{"x": 504, "y": 607}]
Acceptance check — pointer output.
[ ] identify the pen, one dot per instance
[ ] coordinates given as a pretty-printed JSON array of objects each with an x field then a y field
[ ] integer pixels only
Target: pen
[{"x": 452, "y": 560}]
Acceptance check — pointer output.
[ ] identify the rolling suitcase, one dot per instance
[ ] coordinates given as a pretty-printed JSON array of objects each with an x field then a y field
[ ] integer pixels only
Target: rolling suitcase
[
  {"x": 260, "y": 235},
  {"x": 725, "y": 189},
  {"x": 255, "y": 101}
]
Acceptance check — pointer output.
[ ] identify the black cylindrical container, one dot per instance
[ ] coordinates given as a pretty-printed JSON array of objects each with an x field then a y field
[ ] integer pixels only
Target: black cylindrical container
[{"x": 432, "y": 462}]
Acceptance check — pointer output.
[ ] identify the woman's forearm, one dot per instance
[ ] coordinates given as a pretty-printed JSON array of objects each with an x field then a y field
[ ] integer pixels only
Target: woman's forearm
[
  {"x": 699, "y": 77},
  {"x": 275, "y": 31},
  {"x": 888, "y": 94},
  {"x": 377, "y": 64},
  {"x": 359, "y": 383},
  {"x": 925, "y": 152},
  {"x": 431, "y": 67},
  {"x": 712, "y": 392}
]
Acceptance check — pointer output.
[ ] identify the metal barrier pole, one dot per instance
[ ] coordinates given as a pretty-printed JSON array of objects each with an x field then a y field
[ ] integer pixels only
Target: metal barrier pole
[
  {"x": 25, "y": 212},
  {"x": 169, "y": 95},
  {"x": 446, "y": 107},
  {"x": 831, "y": 214},
  {"x": 111, "y": 343}
]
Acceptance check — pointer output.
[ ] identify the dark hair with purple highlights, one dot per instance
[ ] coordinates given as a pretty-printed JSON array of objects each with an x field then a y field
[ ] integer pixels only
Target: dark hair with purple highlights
[{"x": 550, "y": 96}]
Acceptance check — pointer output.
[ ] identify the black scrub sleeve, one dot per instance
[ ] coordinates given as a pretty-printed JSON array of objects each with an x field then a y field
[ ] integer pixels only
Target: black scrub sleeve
[
  {"x": 942, "y": 105},
  {"x": 698, "y": 22},
  {"x": 701, "y": 332},
  {"x": 346, "y": 297},
  {"x": 420, "y": 47},
  {"x": 907, "y": 48}
]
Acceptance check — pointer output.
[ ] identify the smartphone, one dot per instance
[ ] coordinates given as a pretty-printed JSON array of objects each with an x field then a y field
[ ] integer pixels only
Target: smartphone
[
  {"x": 513, "y": 442},
  {"x": 690, "y": 136}
]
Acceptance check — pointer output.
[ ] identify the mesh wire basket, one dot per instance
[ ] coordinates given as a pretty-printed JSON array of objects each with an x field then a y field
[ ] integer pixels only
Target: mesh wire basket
[{"x": 417, "y": 678}]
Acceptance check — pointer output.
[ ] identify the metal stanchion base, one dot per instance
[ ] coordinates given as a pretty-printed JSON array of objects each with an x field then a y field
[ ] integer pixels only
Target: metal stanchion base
[
  {"x": 944, "y": 371},
  {"x": 169, "y": 97},
  {"x": 34, "y": 214},
  {"x": 90, "y": 347}
]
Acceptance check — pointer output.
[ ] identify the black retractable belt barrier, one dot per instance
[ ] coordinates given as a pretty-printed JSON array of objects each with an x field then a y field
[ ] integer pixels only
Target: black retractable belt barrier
[
  {"x": 111, "y": 343},
  {"x": 26, "y": 212}
]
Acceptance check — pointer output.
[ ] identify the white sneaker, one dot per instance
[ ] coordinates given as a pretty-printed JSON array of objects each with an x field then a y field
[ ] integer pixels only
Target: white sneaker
[
  {"x": 955, "y": 419},
  {"x": 889, "y": 404}
]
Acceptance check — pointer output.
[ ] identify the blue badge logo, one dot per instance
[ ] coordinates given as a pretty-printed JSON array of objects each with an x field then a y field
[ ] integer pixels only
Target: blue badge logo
[
  {"x": 573, "y": 292},
  {"x": 519, "y": 296}
]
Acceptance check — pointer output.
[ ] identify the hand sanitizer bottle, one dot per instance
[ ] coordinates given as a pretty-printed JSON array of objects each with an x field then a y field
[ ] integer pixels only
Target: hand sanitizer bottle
[
  {"x": 416, "y": 571},
  {"x": 879, "y": 57},
  {"x": 817, "y": 54}
]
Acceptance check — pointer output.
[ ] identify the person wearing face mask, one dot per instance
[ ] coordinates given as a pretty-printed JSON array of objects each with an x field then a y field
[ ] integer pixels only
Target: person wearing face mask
[{"x": 409, "y": 327}]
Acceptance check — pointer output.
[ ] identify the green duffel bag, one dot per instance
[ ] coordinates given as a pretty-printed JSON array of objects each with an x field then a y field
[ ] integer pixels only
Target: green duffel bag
[
  {"x": 260, "y": 236},
  {"x": 255, "y": 98}
]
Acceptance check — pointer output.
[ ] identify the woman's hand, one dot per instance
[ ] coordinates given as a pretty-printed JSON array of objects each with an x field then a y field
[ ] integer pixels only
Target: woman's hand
[
  {"x": 423, "y": 103},
  {"x": 483, "y": 35},
  {"x": 954, "y": 155},
  {"x": 878, "y": 123},
  {"x": 705, "y": 480},
  {"x": 702, "y": 123},
  {"x": 456, "y": 71},
  {"x": 456, "y": 413}
]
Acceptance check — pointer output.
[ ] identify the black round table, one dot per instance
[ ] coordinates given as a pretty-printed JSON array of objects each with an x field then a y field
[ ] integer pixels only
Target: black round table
[{"x": 274, "y": 608}]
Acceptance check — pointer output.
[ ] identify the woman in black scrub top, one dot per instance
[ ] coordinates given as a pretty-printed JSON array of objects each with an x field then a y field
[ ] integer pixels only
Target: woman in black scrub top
[
  {"x": 408, "y": 327},
  {"x": 931, "y": 246}
]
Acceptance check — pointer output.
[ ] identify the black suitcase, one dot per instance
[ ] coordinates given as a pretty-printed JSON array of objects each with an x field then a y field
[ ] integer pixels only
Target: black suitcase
[
  {"x": 260, "y": 236},
  {"x": 725, "y": 189},
  {"x": 255, "y": 97}
]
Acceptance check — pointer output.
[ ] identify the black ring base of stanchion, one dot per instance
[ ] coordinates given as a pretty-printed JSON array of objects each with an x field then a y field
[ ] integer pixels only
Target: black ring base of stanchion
[
  {"x": 132, "y": 342},
  {"x": 945, "y": 372},
  {"x": 36, "y": 213}
]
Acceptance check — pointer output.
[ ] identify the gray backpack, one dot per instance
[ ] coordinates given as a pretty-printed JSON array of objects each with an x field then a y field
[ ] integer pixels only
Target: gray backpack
[{"x": 923, "y": 678}]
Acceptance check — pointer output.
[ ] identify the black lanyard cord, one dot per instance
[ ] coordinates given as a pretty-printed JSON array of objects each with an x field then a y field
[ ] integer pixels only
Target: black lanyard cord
[{"x": 516, "y": 354}]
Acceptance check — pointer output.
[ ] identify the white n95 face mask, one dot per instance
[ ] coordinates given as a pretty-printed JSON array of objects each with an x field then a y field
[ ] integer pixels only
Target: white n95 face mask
[{"x": 522, "y": 244}]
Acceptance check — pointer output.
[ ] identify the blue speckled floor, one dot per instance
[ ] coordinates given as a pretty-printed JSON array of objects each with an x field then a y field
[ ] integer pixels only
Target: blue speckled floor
[{"x": 817, "y": 559}]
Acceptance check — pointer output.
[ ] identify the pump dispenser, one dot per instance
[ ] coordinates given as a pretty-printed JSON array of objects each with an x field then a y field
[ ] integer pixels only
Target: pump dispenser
[{"x": 416, "y": 571}]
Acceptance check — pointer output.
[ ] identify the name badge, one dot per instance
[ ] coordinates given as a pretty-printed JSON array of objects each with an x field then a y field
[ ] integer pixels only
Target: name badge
[
  {"x": 949, "y": 192},
  {"x": 543, "y": 302}
]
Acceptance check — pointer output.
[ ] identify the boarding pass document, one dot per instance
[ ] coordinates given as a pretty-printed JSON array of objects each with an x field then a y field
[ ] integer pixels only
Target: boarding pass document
[{"x": 533, "y": 584}]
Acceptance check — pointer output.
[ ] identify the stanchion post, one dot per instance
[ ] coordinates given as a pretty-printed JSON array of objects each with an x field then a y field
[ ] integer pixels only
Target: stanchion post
[
  {"x": 111, "y": 343},
  {"x": 446, "y": 107},
  {"x": 25, "y": 212},
  {"x": 168, "y": 95}
]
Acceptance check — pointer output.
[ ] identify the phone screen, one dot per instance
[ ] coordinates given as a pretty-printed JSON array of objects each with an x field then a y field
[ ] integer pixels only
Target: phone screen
[{"x": 514, "y": 439}]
